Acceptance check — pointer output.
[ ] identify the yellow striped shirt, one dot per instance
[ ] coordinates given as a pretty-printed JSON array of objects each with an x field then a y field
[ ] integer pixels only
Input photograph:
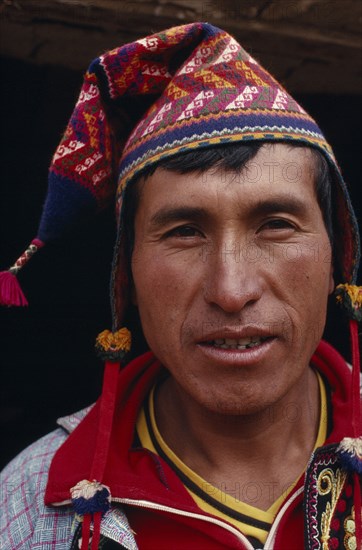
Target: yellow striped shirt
[{"x": 227, "y": 505}]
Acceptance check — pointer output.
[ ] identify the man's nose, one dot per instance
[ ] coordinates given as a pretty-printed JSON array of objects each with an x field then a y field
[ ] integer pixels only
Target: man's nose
[{"x": 232, "y": 277}]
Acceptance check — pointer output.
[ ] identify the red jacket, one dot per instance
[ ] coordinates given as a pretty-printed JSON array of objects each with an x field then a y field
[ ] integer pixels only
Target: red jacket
[{"x": 159, "y": 508}]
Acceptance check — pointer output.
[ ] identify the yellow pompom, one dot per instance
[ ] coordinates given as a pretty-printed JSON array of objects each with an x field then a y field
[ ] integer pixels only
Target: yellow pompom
[
  {"x": 114, "y": 341},
  {"x": 350, "y": 296},
  {"x": 353, "y": 291}
]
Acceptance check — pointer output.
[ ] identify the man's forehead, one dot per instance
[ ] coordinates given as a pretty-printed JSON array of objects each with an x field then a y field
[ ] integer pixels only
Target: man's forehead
[{"x": 292, "y": 166}]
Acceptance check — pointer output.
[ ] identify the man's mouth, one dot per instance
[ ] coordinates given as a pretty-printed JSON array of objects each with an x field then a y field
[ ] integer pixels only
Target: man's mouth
[{"x": 236, "y": 343}]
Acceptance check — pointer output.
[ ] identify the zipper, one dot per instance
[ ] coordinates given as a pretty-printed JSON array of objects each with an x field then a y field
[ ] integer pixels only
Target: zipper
[
  {"x": 176, "y": 511},
  {"x": 269, "y": 543}
]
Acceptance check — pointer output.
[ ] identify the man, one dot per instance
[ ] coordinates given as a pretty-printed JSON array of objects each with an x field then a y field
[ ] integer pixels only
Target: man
[{"x": 239, "y": 428}]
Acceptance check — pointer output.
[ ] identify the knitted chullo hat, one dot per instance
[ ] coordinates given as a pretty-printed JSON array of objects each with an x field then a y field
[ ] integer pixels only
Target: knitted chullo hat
[{"x": 186, "y": 88}]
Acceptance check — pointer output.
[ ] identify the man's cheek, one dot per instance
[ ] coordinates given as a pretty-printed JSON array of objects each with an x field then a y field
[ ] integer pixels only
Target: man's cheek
[{"x": 306, "y": 264}]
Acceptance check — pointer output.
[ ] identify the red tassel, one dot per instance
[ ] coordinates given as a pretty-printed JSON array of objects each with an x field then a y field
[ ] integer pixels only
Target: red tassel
[
  {"x": 357, "y": 510},
  {"x": 356, "y": 423},
  {"x": 104, "y": 429},
  {"x": 86, "y": 531},
  {"x": 96, "y": 537},
  {"x": 355, "y": 382},
  {"x": 107, "y": 407},
  {"x": 10, "y": 290}
]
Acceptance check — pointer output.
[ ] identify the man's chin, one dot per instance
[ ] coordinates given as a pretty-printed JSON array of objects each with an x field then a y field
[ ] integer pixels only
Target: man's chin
[{"x": 242, "y": 402}]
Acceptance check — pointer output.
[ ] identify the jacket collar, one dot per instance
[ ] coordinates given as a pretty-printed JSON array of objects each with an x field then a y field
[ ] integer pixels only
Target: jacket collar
[
  {"x": 138, "y": 473},
  {"x": 130, "y": 473}
]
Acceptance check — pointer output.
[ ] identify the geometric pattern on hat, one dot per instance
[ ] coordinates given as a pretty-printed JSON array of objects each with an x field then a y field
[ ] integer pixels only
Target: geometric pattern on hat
[{"x": 188, "y": 87}]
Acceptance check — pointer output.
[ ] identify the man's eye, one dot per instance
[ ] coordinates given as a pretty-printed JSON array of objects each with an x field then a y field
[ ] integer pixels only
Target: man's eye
[
  {"x": 277, "y": 224},
  {"x": 183, "y": 231}
]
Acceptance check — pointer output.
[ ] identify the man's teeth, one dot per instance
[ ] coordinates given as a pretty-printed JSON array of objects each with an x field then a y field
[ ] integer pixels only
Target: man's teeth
[{"x": 239, "y": 343}]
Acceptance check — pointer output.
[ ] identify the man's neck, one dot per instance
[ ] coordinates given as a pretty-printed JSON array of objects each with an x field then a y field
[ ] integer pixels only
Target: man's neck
[{"x": 271, "y": 446}]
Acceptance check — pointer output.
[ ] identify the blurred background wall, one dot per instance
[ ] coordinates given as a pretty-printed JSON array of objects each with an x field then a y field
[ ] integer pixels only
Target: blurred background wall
[{"x": 48, "y": 367}]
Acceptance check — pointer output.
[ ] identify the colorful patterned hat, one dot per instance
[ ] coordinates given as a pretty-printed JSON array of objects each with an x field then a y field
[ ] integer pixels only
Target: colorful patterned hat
[
  {"x": 189, "y": 87},
  {"x": 186, "y": 88}
]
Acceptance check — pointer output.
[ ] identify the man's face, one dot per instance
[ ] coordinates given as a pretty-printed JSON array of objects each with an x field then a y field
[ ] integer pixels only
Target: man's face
[{"x": 231, "y": 277}]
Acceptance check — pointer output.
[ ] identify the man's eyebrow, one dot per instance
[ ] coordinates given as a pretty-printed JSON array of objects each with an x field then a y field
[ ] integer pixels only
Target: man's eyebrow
[
  {"x": 177, "y": 213},
  {"x": 292, "y": 205}
]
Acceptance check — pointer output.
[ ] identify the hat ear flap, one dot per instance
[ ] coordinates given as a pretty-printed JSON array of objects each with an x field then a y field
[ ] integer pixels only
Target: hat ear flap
[{"x": 121, "y": 293}]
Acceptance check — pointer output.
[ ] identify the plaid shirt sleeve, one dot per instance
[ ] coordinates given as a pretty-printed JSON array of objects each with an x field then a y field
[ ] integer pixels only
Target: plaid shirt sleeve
[{"x": 25, "y": 522}]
